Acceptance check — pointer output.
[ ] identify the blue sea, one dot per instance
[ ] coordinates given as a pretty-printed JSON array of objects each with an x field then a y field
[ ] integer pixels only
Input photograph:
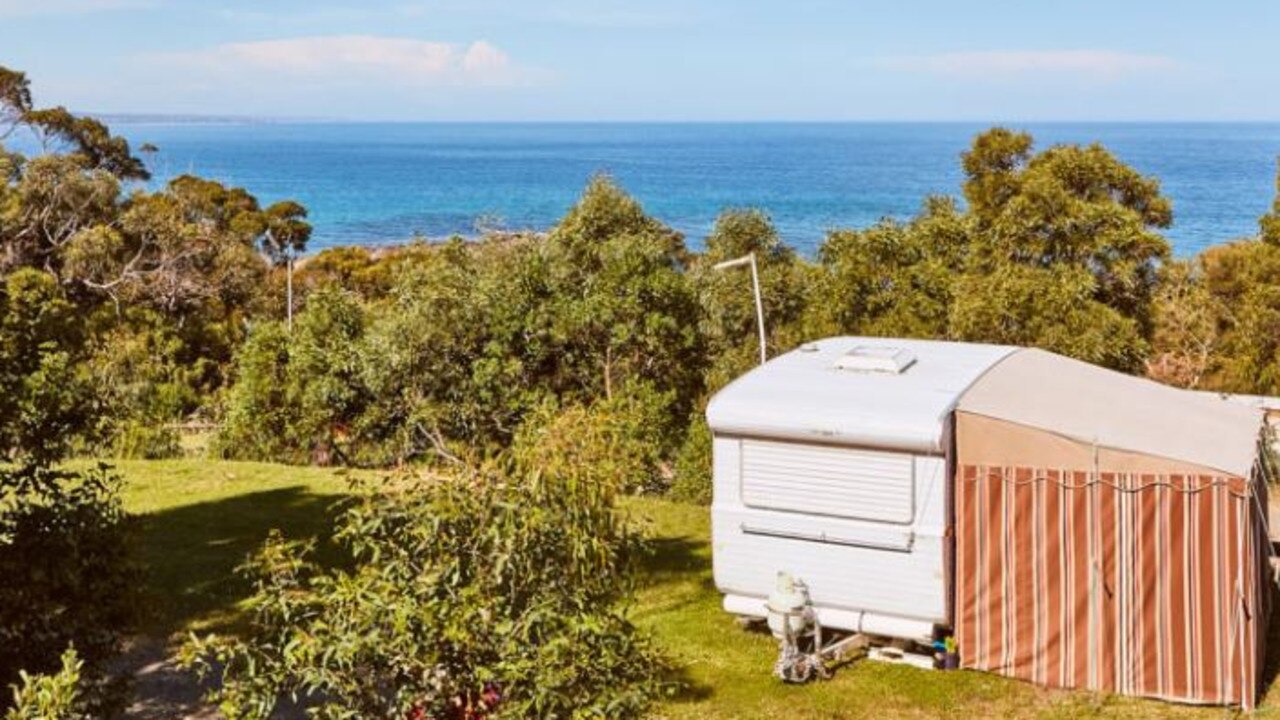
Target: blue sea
[{"x": 370, "y": 183}]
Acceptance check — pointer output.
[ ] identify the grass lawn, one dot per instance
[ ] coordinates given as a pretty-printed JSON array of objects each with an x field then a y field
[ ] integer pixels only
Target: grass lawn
[{"x": 200, "y": 518}]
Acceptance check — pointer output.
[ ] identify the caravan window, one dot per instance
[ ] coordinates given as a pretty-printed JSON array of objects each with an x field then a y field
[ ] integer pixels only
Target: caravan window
[{"x": 824, "y": 480}]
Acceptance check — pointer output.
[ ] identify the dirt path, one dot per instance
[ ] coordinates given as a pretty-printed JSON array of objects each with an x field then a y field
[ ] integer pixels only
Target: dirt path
[{"x": 162, "y": 690}]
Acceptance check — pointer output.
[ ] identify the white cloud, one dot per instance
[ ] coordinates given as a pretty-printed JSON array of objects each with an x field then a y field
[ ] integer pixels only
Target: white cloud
[
  {"x": 16, "y": 8},
  {"x": 360, "y": 58},
  {"x": 1089, "y": 64}
]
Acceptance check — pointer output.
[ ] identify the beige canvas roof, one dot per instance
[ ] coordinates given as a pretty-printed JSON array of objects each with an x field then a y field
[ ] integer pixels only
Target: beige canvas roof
[{"x": 1115, "y": 412}]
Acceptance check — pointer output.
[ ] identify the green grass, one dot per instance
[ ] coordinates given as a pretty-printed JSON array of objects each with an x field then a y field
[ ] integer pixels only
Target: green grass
[{"x": 200, "y": 518}]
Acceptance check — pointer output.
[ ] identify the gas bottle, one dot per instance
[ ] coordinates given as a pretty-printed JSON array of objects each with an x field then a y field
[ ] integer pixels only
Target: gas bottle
[{"x": 788, "y": 604}]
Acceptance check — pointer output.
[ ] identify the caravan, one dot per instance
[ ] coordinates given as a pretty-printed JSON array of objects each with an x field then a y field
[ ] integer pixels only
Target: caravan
[{"x": 1065, "y": 524}]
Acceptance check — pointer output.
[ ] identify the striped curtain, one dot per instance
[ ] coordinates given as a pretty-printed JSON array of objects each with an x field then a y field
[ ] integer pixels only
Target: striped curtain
[{"x": 1150, "y": 585}]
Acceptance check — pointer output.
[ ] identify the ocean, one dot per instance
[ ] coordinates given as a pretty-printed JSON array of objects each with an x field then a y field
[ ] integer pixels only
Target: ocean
[{"x": 377, "y": 183}]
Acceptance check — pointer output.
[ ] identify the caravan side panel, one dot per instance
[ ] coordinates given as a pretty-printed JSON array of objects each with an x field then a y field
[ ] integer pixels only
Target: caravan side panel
[{"x": 863, "y": 528}]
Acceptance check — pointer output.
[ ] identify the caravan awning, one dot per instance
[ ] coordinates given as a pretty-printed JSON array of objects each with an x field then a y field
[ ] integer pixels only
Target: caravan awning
[{"x": 1097, "y": 414}]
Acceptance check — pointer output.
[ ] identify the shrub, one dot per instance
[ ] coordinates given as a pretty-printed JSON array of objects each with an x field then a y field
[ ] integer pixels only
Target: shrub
[
  {"x": 622, "y": 439},
  {"x": 66, "y": 574},
  {"x": 692, "y": 482},
  {"x": 478, "y": 593},
  {"x": 142, "y": 440},
  {"x": 51, "y": 697}
]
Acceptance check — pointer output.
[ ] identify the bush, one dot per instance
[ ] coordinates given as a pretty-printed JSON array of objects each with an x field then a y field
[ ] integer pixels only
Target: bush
[
  {"x": 142, "y": 440},
  {"x": 66, "y": 575},
  {"x": 478, "y": 593},
  {"x": 51, "y": 697},
  {"x": 470, "y": 338},
  {"x": 622, "y": 439},
  {"x": 692, "y": 482},
  {"x": 258, "y": 413}
]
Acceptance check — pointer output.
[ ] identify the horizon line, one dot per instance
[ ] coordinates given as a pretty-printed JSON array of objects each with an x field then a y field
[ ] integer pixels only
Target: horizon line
[{"x": 204, "y": 118}]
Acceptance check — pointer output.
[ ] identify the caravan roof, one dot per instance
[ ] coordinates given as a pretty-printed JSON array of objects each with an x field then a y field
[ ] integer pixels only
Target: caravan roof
[
  {"x": 898, "y": 394},
  {"x": 879, "y": 392}
]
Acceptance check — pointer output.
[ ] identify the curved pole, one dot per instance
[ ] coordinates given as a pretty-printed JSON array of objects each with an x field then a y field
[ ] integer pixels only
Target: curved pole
[{"x": 750, "y": 259}]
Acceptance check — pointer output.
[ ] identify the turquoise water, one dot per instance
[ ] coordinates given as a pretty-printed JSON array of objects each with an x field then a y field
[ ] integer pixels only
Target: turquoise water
[{"x": 379, "y": 183}]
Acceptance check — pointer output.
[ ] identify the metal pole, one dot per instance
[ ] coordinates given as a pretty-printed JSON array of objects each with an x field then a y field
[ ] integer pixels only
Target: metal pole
[
  {"x": 289, "y": 282},
  {"x": 750, "y": 259},
  {"x": 755, "y": 286}
]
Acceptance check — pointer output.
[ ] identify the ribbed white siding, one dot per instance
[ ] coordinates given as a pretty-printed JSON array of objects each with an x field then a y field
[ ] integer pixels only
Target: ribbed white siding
[
  {"x": 822, "y": 480},
  {"x": 850, "y": 564}
]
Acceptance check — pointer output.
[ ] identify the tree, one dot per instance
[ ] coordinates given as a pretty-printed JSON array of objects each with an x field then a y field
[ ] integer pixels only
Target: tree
[
  {"x": 1270, "y": 223},
  {"x": 729, "y": 313},
  {"x": 88, "y": 141},
  {"x": 46, "y": 400},
  {"x": 1071, "y": 223},
  {"x": 621, "y": 305},
  {"x": 1067, "y": 206},
  {"x": 633, "y": 319},
  {"x": 66, "y": 577},
  {"x": 893, "y": 278},
  {"x": 298, "y": 394},
  {"x": 1050, "y": 308},
  {"x": 493, "y": 592},
  {"x": 604, "y": 212},
  {"x": 1187, "y": 333},
  {"x": 1243, "y": 279},
  {"x": 287, "y": 231},
  {"x": 15, "y": 99}
]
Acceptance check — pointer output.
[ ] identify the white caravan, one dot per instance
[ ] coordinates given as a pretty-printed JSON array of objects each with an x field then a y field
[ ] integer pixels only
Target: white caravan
[{"x": 831, "y": 463}]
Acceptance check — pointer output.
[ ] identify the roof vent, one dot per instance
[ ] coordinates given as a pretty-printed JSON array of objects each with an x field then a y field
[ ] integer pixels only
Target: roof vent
[{"x": 876, "y": 359}]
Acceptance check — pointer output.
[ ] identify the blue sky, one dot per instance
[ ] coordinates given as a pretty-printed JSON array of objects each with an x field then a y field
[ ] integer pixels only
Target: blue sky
[{"x": 656, "y": 60}]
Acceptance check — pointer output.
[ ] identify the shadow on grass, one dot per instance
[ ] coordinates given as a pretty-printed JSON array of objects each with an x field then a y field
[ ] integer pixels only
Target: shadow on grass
[
  {"x": 671, "y": 561},
  {"x": 191, "y": 553},
  {"x": 674, "y": 556}
]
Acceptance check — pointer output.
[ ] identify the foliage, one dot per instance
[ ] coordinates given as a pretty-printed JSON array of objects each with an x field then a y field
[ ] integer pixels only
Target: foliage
[
  {"x": 287, "y": 230},
  {"x": 627, "y": 314},
  {"x": 66, "y": 574},
  {"x": 1241, "y": 278},
  {"x": 260, "y": 412},
  {"x": 51, "y": 697},
  {"x": 692, "y": 481},
  {"x": 1269, "y": 224},
  {"x": 618, "y": 440},
  {"x": 90, "y": 143},
  {"x": 1187, "y": 318},
  {"x": 470, "y": 338},
  {"x": 891, "y": 279},
  {"x": 726, "y": 298},
  {"x": 183, "y": 263},
  {"x": 45, "y": 397},
  {"x": 1068, "y": 228},
  {"x": 147, "y": 377},
  {"x": 1048, "y": 308},
  {"x": 476, "y": 593},
  {"x": 323, "y": 365},
  {"x": 458, "y": 349},
  {"x": 606, "y": 212},
  {"x": 356, "y": 269}
]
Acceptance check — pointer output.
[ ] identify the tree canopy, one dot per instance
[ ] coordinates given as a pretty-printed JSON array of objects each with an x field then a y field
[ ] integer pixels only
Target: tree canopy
[{"x": 1270, "y": 223}]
